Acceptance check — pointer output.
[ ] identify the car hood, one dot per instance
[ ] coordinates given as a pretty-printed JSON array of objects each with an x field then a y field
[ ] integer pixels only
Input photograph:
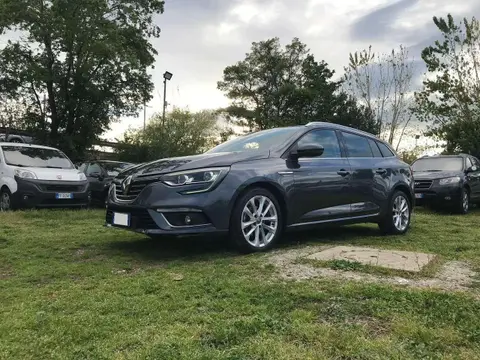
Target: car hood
[
  {"x": 53, "y": 174},
  {"x": 174, "y": 164},
  {"x": 434, "y": 175}
]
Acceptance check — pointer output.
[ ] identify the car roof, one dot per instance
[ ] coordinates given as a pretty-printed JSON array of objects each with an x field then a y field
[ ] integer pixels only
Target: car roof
[
  {"x": 320, "y": 124},
  {"x": 27, "y": 145}
]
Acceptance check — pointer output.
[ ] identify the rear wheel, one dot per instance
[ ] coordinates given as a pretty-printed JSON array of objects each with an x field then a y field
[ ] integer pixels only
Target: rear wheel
[
  {"x": 257, "y": 222},
  {"x": 397, "y": 218}
]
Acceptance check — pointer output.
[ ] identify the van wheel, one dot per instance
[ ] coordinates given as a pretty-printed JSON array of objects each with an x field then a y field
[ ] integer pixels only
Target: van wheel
[
  {"x": 6, "y": 201},
  {"x": 257, "y": 221},
  {"x": 397, "y": 218}
]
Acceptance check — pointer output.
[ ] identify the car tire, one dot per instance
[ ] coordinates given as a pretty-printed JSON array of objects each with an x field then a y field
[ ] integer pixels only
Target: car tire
[
  {"x": 463, "y": 205},
  {"x": 397, "y": 219},
  {"x": 6, "y": 200},
  {"x": 256, "y": 224}
]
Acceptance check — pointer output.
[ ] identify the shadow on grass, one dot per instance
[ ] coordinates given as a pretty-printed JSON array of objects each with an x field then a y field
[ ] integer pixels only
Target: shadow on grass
[{"x": 168, "y": 248}]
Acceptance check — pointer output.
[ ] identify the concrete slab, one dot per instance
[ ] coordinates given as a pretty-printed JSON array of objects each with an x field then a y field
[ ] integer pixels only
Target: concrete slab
[{"x": 392, "y": 259}]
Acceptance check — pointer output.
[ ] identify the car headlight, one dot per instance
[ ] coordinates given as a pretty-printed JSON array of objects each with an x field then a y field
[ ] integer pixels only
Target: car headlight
[
  {"x": 82, "y": 176},
  {"x": 204, "y": 178},
  {"x": 450, "y": 180},
  {"x": 25, "y": 174}
]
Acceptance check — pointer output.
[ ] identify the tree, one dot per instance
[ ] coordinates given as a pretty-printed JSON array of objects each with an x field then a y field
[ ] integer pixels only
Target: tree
[
  {"x": 89, "y": 59},
  {"x": 383, "y": 83},
  {"x": 183, "y": 133},
  {"x": 275, "y": 87},
  {"x": 450, "y": 99}
]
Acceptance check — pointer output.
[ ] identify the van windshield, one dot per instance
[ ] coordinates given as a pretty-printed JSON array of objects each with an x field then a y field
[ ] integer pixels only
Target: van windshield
[{"x": 26, "y": 156}]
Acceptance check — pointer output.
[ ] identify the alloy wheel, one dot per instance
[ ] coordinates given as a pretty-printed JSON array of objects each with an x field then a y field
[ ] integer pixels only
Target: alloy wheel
[
  {"x": 465, "y": 202},
  {"x": 401, "y": 213},
  {"x": 259, "y": 221}
]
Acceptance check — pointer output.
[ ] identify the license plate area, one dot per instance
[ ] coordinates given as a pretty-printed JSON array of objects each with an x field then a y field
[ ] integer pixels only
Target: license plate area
[
  {"x": 61, "y": 196},
  {"x": 419, "y": 196},
  {"x": 121, "y": 219}
]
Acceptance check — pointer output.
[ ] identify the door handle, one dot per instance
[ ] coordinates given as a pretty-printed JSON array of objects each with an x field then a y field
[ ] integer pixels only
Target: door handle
[
  {"x": 343, "y": 172},
  {"x": 381, "y": 171}
]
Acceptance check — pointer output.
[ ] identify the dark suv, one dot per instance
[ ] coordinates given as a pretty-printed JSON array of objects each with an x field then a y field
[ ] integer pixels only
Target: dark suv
[
  {"x": 256, "y": 186},
  {"x": 447, "y": 181}
]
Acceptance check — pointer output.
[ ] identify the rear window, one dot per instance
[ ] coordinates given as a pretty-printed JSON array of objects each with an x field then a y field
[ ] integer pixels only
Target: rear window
[
  {"x": 386, "y": 152},
  {"x": 26, "y": 156}
]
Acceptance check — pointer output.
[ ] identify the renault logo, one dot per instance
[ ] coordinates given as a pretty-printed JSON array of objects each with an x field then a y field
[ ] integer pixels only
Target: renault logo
[{"x": 126, "y": 184}]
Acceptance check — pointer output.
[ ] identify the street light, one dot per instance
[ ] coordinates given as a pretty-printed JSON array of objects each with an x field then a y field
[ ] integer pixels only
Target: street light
[{"x": 166, "y": 76}]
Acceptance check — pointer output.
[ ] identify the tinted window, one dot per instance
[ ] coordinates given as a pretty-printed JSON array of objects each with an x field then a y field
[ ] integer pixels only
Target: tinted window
[
  {"x": 27, "y": 156},
  {"x": 375, "y": 149},
  {"x": 262, "y": 140},
  {"x": 94, "y": 168},
  {"x": 327, "y": 138},
  {"x": 468, "y": 163},
  {"x": 113, "y": 169},
  {"x": 386, "y": 152},
  {"x": 438, "y": 164},
  {"x": 357, "y": 146}
]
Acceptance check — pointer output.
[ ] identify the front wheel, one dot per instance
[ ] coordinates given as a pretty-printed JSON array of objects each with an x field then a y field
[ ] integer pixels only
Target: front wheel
[
  {"x": 6, "y": 201},
  {"x": 464, "y": 202},
  {"x": 257, "y": 221},
  {"x": 397, "y": 218}
]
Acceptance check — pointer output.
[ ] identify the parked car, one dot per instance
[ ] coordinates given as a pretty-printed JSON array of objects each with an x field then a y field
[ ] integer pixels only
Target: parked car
[
  {"x": 39, "y": 176},
  {"x": 16, "y": 138},
  {"x": 256, "y": 186},
  {"x": 100, "y": 174},
  {"x": 451, "y": 182}
]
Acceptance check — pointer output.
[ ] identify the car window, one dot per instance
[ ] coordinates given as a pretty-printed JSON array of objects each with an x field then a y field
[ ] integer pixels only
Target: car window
[
  {"x": 375, "y": 149},
  {"x": 386, "y": 152},
  {"x": 82, "y": 167},
  {"x": 475, "y": 161},
  {"x": 327, "y": 138},
  {"x": 94, "y": 168},
  {"x": 468, "y": 163},
  {"x": 113, "y": 169},
  {"x": 357, "y": 146},
  {"x": 31, "y": 156}
]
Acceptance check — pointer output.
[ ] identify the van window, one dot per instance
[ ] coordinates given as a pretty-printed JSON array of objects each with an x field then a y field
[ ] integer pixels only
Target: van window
[{"x": 26, "y": 156}]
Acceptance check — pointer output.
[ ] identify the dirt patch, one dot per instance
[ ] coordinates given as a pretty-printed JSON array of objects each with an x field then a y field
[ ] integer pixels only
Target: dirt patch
[{"x": 451, "y": 276}]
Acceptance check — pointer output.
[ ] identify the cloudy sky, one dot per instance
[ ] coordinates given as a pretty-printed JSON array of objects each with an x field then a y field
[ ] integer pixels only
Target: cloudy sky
[{"x": 201, "y": 37}]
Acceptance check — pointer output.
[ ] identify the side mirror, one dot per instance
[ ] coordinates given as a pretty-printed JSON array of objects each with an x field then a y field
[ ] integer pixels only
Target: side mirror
[
  {"x": 472, "y": 169},
  {"x": 310, "y": 150}
]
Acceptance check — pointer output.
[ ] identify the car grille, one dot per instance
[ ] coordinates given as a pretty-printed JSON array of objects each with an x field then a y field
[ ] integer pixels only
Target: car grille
[
  {"x": 63, "y": 188},
  {"x": 136, "y": 187},
  {"x": 139, "y": 218},
  {"x": 423, "y": 184}
]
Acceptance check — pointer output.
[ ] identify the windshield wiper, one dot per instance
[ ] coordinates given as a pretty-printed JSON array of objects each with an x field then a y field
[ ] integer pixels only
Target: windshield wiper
[
  {"x": 53, "y": 167},
  {"x": 18, "y": 165}
]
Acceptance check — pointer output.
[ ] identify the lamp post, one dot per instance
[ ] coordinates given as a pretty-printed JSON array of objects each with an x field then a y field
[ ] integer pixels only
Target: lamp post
[{"x": 166, "y": 76}]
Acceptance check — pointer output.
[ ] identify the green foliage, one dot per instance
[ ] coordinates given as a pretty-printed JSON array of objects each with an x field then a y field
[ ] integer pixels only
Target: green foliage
[
  {"x": 183, "y": 133},
  {"x": 87, "y": 59},
  {"x": 382, "y": 83},
  {"x": 275, "y": 86},
  {"x": 450, "y": 100}
]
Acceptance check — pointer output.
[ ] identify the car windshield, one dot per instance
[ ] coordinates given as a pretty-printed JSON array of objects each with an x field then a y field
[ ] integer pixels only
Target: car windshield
[
  {"x": 113, "y": 169},
  {"x": 438, "y": 164},
  {"x": 262, "y": 140},
  {"x": 26, "y": 156}
]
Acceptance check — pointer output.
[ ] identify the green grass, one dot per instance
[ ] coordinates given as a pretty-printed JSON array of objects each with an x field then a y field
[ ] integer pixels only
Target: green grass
[{"x": 72, "y": 289}]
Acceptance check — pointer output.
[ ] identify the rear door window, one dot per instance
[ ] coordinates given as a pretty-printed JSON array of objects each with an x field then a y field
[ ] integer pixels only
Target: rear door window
[
  {"x": 375, "y": 149},
  {"x": 386, "y": 152},
  {"x": 357, "y": 146}
]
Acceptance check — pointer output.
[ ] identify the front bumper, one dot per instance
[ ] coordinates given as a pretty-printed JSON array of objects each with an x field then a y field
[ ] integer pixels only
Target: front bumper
[
  {"x": 162, "y": 210},
  {"x": 438, "y": 195},
  {"x": 42, "y": 193}
]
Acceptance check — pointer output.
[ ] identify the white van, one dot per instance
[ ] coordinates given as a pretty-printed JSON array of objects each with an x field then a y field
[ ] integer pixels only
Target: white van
[{"x": 39, "y": 176}]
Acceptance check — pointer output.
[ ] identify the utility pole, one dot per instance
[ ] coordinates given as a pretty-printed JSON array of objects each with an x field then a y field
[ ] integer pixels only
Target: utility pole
[{"x": 166, "y": 76}]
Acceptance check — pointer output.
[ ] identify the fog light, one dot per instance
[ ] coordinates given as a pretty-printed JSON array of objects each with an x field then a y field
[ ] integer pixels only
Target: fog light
[
  {"x": 188, "y": 220},
  {"x": 25, "y": 197},
  {"x": 448, "y": 198}
]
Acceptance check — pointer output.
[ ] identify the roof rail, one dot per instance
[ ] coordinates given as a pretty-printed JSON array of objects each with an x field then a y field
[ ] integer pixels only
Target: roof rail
[{"x": 338, "y": 126}]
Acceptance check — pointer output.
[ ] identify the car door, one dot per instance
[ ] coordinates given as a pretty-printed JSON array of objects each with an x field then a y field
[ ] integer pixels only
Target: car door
[
  {"x": 366, "y": 174},
  {"x": 473, "y": 177},
  {"x": 94, "y": 173},
  {"x": 320, "y": 183}
]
